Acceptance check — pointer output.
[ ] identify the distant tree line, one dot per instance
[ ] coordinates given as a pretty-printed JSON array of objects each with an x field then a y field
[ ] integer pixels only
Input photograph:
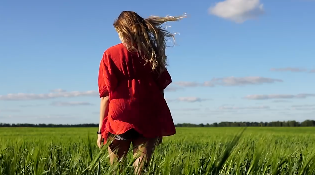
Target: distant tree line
[{"x": 306, "y": 123}]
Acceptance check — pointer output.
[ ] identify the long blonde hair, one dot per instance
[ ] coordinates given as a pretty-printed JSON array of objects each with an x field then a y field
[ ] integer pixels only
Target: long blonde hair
[{"x": 145, "y": 36}]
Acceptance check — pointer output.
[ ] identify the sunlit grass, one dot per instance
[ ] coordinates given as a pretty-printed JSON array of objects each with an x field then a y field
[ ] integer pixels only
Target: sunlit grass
[{"x": 190, "y": 151}]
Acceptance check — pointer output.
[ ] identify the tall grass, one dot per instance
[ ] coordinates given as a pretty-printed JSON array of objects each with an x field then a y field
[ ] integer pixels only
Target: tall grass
[{"x": 193, "y": 151}]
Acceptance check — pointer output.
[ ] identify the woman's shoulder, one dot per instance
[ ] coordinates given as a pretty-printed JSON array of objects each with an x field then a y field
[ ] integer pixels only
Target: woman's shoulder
[
  {"x": 118, "y": 53},
  {"x": 112, "y": 52},
  {"x": 114, "y": 49}
]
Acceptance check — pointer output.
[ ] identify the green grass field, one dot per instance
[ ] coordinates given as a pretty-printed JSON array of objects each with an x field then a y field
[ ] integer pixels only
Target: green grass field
[{"x": 191, "y": 151}]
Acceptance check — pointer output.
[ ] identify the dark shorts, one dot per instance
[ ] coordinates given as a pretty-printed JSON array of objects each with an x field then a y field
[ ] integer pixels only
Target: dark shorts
[{"x": 128, "y": 135}]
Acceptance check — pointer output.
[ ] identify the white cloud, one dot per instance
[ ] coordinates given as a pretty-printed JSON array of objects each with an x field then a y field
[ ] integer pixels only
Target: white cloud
[
  {"x": 25, "y": 96},
  {"x": 28, "y": 105},
  {"x": 187, "y": 84},
  {"x": 230, "y": 81},
  {"x": 281, "y": 101},
  {"x": 186, "y": 109},
  {"x": 10, "y": 110},
  {"x": 187, "y": 99},
  {"x": 278, "y": 96},
  {"x": 288, "y": 69},
  {"x": 240, "y": 81},
  {"x": 312, "y": 71},
  {"x": 238, "y": 11},
  {"x": 46, "y": 118},
  {"x": 243, "y": 108},
  {"x": 171, "y": 89},
  {"x": 191, "y": 99},
  {"x": 303, "y": 107},
  {"x": 71, "y": 103},
  {"x": 58, "y": 90},
  {"x": 208, "y": 84}
]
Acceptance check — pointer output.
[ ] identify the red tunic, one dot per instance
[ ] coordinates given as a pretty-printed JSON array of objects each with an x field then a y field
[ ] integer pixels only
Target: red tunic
[{"x": 135, "y": 95}]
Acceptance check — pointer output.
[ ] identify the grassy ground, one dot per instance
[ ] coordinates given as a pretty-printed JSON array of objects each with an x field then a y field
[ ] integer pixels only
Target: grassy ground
[{"x": 191, "y": 151}]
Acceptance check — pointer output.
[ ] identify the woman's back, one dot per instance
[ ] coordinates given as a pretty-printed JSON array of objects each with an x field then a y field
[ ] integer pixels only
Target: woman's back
[
  {"x": 135, "y": 93},
  {"x": 134, "y": 79}
]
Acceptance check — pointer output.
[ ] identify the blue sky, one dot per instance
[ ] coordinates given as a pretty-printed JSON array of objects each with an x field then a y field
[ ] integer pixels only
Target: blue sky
[{"x": 235, "y": 60}]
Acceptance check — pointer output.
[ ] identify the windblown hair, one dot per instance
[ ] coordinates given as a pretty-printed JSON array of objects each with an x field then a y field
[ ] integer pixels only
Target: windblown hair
[{"x": 145, "y": 36}]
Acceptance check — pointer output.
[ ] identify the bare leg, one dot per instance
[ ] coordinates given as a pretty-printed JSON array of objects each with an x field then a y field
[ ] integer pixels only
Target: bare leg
[
  {"x": 118, "y": 149},
  {"x": 143, "y": 150}
]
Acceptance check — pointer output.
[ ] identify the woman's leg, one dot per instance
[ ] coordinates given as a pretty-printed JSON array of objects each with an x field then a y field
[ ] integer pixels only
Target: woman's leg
[
  {"x": 142, "y": 150},
  {"x": 118, "y": 149}
]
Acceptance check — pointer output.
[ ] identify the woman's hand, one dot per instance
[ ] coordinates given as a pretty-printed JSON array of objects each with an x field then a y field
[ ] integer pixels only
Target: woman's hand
[{"x": 99, "y": 140}]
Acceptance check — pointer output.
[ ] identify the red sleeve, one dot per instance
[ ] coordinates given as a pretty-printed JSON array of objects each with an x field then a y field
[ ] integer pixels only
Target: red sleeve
[
  {"x": 107, "y": 80},
  {"x": 164, "y": 80}
]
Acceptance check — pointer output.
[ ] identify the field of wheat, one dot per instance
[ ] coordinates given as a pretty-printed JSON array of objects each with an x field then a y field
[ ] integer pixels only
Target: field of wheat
[{"x": 191, "y": 151}]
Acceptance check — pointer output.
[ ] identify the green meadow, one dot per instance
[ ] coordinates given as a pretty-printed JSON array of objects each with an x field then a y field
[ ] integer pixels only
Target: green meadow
[{"x": 192, "y": 151}]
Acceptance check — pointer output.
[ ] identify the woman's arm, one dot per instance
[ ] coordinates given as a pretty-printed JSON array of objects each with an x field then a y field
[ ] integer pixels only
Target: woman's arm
[
  {"x": 103, "y": 110},
  {"x": 103, "y": 113}
]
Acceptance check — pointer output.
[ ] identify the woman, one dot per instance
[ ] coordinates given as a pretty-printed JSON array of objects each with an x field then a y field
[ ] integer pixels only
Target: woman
[{"x": 132, "y": 78}]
